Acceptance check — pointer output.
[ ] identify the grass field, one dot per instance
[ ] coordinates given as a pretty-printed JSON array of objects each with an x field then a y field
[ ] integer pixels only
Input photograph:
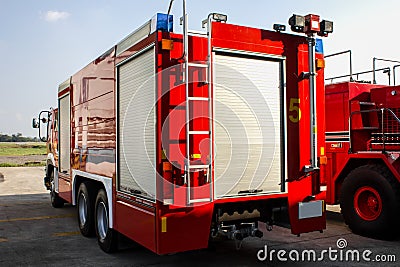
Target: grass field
[
  {"x": 22, "y": 149},
  {"x": 22, "y": 154},
  {"x": 26, "y": 164}
]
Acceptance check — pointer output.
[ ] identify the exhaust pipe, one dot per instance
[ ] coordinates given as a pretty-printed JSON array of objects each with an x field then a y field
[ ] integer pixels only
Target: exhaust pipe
[
  {"x": 313, "y": 103},
  {"x": 237, "y": 235},
  {"x": 257, "y": 233}
]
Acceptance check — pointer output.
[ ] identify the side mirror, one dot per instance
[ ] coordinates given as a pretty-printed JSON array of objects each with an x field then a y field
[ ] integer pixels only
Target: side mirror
[
  {"x": 35, "y": 123},
  {"x": 42, "y": 123}
]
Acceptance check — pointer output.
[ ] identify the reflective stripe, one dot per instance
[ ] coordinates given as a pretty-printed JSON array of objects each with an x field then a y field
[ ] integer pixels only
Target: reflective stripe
[{"x": 339, "y": 136}]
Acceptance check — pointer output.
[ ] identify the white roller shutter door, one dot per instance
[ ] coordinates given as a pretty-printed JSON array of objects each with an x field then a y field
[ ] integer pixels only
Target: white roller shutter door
[
  {"x": 136, "y": 123},
  {"x": 65, "y": 135},
  {"x": 248, "y": 125}
]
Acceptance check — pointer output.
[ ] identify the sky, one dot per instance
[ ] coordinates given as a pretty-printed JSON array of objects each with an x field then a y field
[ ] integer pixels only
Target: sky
[{"x": 43, "y": 42}]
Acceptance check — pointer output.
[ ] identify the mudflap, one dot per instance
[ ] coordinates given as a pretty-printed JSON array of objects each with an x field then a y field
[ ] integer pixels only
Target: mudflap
[
  {"x": 306, "y": 208},
  {"x": 46, "y": 182}
]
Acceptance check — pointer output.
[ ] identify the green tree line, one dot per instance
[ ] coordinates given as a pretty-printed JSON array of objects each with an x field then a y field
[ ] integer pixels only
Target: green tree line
[{"x": 17, "y": 138}]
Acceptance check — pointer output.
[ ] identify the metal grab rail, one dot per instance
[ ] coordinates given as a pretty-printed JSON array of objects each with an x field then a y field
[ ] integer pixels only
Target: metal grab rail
[
  {"x": 381, "y": 59},
  {"x": 373, "y": 71},
  {"x": 384, "y": 70},
  {"x": 394, "y": 73},
  {"x": 168, "y": 13},
  {"x": 382, "y": 110},
  {"x": 350, "y": 61}
]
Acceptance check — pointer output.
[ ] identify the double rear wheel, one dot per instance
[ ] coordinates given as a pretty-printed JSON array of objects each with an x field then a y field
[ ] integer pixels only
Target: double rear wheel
[{"x": 94, "y": 217}]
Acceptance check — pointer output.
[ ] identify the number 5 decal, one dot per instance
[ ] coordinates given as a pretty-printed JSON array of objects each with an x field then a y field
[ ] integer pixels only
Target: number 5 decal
[{"x": 295, "y": 110}]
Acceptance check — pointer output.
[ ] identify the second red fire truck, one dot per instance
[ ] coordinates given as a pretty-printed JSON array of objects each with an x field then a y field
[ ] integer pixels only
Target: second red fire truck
[
  {"x": 170, "y": 139},
  {"x": 363, "y": 149}
]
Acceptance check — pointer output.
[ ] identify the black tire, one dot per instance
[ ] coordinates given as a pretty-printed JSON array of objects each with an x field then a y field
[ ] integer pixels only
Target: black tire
[
  {"x": 107, "y": 238},
  {"x": 369, "y": 200},
  {"x": 84, "y": 204},
  {"x": 56, "y": 200}
]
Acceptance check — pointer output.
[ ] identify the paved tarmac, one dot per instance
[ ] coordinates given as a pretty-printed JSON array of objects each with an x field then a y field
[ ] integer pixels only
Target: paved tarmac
[
  {"x": 22, "y": 181},
  {"x": 32, "y": 233}
]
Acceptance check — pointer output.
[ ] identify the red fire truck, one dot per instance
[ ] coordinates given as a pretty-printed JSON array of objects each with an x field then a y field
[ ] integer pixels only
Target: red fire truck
[
  {"x": 171, "y": 138},
  {"x": 363, "y": 149}
]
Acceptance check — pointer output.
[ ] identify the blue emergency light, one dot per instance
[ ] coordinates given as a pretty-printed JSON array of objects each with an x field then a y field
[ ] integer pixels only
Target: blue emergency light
[
  {"x": 319, "y": 46},
  {"x": 162, "y": 22}
]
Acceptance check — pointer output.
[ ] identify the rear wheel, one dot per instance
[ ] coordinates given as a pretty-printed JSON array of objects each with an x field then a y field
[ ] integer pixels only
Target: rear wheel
[
  {"x": 56, "y": 200},
  {"x": 369, "y": 200},
  {"x": 106, "y": 236},
  {"x": 85, "y": 210}
]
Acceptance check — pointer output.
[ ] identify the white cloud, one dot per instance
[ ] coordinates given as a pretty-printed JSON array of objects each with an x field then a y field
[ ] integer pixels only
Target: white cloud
[{"x": 53, "y": 16}]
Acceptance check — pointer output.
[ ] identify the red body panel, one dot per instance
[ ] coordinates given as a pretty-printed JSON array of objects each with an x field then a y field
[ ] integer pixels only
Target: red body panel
[
  {"x": 137, "y": 223},
  {"x": 93, "y": 118},
  {"x": 386, "y": 97},
  {"x": 186, "y": 228}
]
